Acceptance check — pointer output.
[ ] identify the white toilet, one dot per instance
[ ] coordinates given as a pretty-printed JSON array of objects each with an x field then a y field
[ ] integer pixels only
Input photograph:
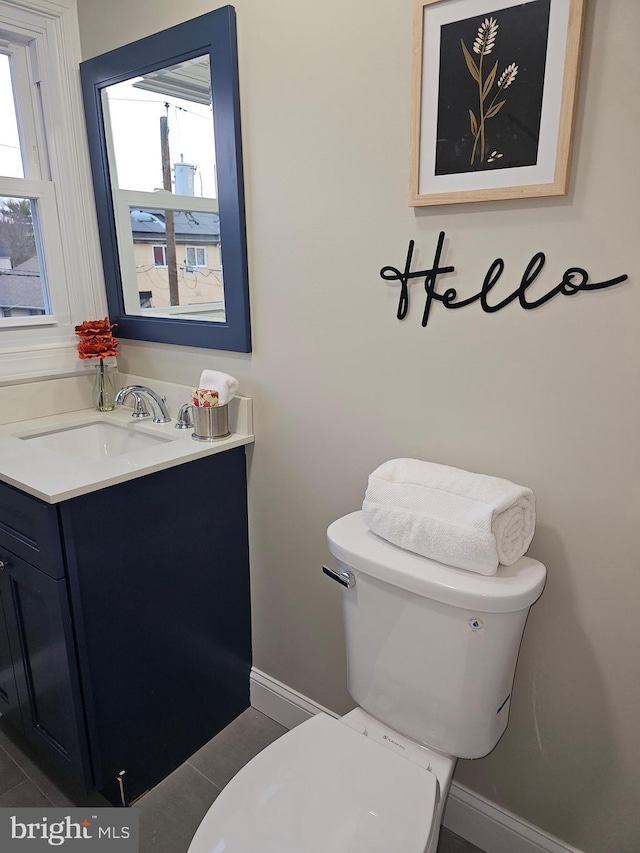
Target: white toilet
[{"x": 431, "y": 656}]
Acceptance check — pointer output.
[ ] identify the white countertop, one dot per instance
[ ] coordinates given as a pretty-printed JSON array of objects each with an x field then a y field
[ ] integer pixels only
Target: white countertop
[{"x": 53, "y": 477}]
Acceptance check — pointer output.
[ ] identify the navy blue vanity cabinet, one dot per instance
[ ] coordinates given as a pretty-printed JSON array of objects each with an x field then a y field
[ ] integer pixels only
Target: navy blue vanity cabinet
[
  {"x": 38, "y": 641},
  {"x": 158, "y": 572},
  {"x": 143, "y": 643},
  {"x": 39, "y": 689}
]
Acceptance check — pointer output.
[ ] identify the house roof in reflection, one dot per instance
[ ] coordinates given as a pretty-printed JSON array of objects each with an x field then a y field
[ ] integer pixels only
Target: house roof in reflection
[
  {"x": 148, "y": 225},
  {"x": 21, "y": 287}
]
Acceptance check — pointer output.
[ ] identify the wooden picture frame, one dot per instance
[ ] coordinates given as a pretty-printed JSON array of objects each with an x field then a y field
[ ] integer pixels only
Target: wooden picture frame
[{"x": 494, "y": 93}]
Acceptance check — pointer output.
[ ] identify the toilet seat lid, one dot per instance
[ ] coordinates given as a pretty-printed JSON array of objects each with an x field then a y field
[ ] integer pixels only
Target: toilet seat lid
[{"x": 321, "y": 788}]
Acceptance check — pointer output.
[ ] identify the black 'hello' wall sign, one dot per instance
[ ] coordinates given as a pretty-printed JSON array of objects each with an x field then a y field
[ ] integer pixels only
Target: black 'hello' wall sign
[{"x": 574, "y": 280}]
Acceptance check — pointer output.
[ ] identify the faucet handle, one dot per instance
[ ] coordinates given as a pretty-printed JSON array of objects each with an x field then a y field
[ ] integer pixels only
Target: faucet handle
[
  {"x": 183, "y": 421},
  {"x": 163, "y": 416},
  {"x": 141, "y": 410}
]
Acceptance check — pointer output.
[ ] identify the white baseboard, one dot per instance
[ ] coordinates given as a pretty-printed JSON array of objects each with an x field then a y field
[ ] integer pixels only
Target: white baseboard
[
  {"x": 494, "y": 829},
  {"x": 283, "y": 704},
  {"x": 469, "y": 815}
]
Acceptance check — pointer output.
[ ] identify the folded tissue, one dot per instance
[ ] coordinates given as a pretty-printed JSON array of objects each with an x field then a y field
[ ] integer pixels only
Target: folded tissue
[
  {"x": 215, "y": 389},
  {"x": 469, "y": 521},
  {"x": 202, "y": 398}
]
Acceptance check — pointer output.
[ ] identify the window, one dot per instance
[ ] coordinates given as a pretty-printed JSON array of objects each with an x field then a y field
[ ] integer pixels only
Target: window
[
  {"x": 23, "y": 284},
  {"x": 11, "y": 155},
  {"x": 196, "y": 256},
  {"x": 49, "y": 256},
  {"x": 25, "y": 198},
  {"x": 159, "y": 256}
]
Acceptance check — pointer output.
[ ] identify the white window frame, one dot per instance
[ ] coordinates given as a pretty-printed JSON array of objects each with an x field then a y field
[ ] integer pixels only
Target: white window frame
[
  {"x": 43, "y": 41},
  {"x": 196, "y": 249},
  {"x": 49, "y": 254},
  {"x": 164, "y": 255},
  {"x": 124, "y": 201}
]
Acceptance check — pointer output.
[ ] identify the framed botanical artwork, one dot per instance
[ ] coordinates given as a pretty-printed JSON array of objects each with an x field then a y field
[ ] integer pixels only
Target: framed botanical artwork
[{"x": 494, "y": 91}]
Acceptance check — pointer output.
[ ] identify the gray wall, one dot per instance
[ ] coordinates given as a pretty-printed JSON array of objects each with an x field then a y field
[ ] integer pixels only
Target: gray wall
[{"x": 548, "y": 398}]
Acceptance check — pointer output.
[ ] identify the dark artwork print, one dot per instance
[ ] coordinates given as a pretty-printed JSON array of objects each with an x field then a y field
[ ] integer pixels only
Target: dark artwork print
[{"x": 490, "y": 90}]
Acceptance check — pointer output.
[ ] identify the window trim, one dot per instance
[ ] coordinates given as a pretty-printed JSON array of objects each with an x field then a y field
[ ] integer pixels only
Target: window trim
[
  {"x": 163, "y": 247},
  {"x": 123, "y": 202},
  {"x": 29, "y": 127},
  {"x": 49, "y": 254},
  {"x": 195, "y": 266},
  {"x": 49, "y": 32}
]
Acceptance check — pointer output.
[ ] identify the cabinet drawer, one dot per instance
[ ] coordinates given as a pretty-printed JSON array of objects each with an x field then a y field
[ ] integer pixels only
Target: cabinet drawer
[{"x": 29, "y": 528}]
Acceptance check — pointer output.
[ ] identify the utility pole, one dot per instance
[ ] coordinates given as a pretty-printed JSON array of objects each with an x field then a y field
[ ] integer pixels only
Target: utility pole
[{"x": 170, "y": 231}]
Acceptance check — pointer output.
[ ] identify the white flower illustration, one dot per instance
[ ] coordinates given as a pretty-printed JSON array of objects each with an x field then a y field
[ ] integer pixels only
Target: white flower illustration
[
  {"x": 508, "y": 76},
  {"x": 486, "y": 37},
  {"x": 488, "y": 104}
]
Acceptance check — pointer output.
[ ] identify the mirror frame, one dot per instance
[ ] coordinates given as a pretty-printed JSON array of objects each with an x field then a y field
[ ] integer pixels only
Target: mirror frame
[{"x": 214, "y": 34}]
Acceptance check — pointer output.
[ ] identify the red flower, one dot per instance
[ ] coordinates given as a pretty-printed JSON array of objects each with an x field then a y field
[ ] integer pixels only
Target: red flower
[
  {"x": 97, "y": 339},
  {"x": 95, "y": 327}
]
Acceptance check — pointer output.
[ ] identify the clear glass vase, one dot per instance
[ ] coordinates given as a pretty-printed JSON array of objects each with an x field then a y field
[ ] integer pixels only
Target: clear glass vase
[{"x": 104, "y": 391}]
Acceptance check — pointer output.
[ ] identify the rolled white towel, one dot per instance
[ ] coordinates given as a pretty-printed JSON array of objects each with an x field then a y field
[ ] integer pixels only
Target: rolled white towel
[
  {"x": 470, "y": 521},
  {"x": 225, "y": 385}
]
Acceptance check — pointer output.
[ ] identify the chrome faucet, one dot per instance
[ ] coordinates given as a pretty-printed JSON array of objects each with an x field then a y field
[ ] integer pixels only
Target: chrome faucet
[
  {"x": 183, "y": 421},
  {"x": 140, "y": 393}
]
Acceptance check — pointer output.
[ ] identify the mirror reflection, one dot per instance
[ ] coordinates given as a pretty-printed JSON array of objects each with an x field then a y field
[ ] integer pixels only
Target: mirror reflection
[{"x": 159, "y": 135}]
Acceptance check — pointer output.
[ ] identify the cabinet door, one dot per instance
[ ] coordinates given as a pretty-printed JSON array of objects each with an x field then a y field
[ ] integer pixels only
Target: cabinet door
[
  {"x": 9, "y": 705},
  {"x": 41, "y": 645},
  {"x": 161, "y": 615}
]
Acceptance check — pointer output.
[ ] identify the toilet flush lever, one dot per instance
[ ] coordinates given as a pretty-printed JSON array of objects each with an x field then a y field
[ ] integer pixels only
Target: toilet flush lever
[{"x": 345, "y": 578}]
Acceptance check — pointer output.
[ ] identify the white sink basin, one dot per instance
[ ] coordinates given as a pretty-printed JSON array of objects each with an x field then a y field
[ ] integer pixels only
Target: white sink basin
[{"x": 94, "y": 441}]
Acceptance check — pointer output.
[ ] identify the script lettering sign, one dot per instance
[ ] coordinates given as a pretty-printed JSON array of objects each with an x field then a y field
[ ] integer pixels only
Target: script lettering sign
[{"x": 574, "y": 280}]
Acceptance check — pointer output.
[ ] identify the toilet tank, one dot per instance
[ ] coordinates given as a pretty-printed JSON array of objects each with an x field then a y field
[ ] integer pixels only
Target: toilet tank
[{"x": 431, "y": 650}]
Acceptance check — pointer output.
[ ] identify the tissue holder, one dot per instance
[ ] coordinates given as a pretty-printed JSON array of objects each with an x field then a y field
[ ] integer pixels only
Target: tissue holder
[{"x": 210, "y": 423}]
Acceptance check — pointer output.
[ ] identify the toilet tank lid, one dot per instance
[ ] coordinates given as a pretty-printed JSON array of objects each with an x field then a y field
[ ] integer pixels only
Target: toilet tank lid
[{"x": 512, "y": 588}]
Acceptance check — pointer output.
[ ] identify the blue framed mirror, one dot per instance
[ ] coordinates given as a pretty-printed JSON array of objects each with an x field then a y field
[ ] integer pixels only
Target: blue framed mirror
[{"x": 163, "y": 123}]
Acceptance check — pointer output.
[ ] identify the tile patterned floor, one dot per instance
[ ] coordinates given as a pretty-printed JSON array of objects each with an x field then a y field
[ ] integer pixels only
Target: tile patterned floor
[{"x": 171, "y": 812}]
